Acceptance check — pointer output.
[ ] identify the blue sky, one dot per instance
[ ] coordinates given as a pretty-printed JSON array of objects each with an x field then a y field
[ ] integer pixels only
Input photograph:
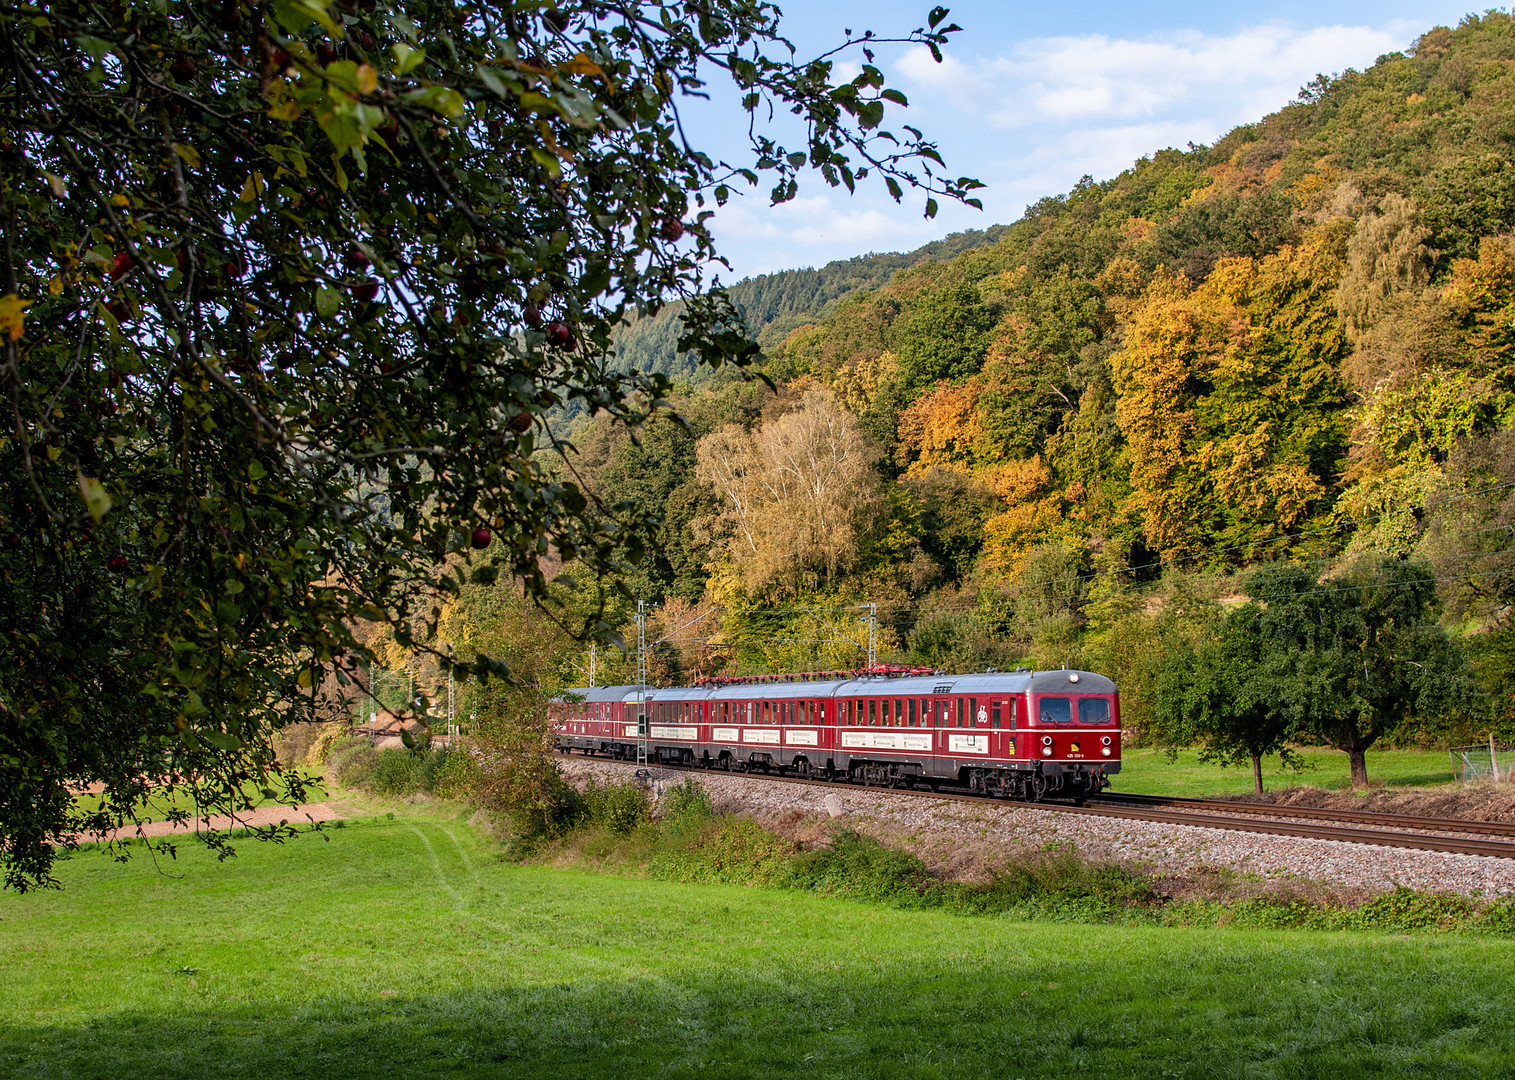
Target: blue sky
[{"x": 1033, "y": 96}]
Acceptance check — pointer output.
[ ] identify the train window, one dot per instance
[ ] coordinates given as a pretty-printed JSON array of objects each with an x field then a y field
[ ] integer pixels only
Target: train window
[
  {"x": 994, "y": 713},
  {"x": 912, "y": 712},
  {"x": 872, "y": 712},
  {"x": 960, "y": 715},
  {"x": 1056, "y": 710},
  {"x": 1093, "y": 711}
]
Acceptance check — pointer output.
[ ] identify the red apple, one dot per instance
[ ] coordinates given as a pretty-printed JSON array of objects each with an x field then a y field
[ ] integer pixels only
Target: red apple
[
  {"x": 182, "y": 69},
  {"x": 121, "y": 265},
  {"x": 117, "y": 564},
  {"x": 481, "y": 538},
  {"x": 673, "y": 230},
  {"x": 357, "y": 258},
  {"x": 365, "y": 290},
  {"x": 559, "y": 336}
]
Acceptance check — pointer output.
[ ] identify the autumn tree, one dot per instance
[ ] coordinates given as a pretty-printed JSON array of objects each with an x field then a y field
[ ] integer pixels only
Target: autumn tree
[
  {"x": 287, "y": 290},
  {"x": 1232, "y": 400},
  {"x": 796, "y": 493}
]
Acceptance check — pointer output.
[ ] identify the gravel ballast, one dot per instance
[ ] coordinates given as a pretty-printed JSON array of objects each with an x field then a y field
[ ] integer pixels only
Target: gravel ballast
[{"x": 963, "y": 839}]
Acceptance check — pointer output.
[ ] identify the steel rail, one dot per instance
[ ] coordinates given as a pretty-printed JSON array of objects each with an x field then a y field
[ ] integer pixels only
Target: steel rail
[
  {"x": 1495, "y": 849},
  {"x": 1324, "y": 813}
]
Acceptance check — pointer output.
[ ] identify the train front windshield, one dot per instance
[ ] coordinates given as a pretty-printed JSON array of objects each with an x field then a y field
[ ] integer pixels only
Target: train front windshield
[
  {"x": 1056, "y": 710},
  {"x": 1059, "y": 710}
]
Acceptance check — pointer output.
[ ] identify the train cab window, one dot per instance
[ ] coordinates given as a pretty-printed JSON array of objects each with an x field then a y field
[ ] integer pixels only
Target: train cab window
[
  {"x": 1093, "y": 711},
  {"x": 1056, "y": 710}
]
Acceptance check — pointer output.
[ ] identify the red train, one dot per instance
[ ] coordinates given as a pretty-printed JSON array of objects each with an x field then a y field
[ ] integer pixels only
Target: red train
[{"x": 1022, "y": 734}]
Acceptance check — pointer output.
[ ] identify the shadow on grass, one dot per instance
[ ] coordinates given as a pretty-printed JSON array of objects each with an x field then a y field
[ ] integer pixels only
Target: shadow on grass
[{"x": 1146, "y": 1010}]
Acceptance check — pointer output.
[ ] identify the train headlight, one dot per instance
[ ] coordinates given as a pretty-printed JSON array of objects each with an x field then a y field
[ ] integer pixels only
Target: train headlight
[
  {"x": 1106, "y": 751},
  {"x": 1046, "y": 751},
  {"x": 1046, "y": 740},
  {"x": 1106, "y": 740}
]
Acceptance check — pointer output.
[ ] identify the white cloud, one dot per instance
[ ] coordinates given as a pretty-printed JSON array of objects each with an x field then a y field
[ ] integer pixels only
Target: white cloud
[
  {"x": 1095, "y": 76},
  {"x": 1032, "y": 119},
  {"x": 814, "y": 229}
]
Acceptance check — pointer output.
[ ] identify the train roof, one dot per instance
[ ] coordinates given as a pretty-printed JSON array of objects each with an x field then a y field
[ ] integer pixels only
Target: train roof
[
  {"x": 605, "y": 693},
  {"x": 986, "y": 682},
  {"x": 748, "y": 691}
]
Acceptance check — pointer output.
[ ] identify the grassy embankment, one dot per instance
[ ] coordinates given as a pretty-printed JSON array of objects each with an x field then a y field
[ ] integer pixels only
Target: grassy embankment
[
  {"x": 1150, "y": 772},
  {"x": 405, "y": 946}
]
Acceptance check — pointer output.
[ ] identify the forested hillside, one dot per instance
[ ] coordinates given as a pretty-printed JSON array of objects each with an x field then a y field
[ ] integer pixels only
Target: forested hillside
[
  {"x": 775, "y": 304},
  {"x": 1076, "y": 441}
]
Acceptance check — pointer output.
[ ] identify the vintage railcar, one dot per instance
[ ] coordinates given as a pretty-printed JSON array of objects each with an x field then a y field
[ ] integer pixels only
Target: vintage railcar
[{"x": 1022, "y": 734}]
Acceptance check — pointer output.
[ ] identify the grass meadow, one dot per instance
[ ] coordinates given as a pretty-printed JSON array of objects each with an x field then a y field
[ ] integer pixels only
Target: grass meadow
[
  {"x": 1152, "y": 772},
  {"x": 406, "y": 946}
]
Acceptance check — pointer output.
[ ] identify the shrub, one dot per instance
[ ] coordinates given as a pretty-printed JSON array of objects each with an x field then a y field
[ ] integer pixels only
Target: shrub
[
  {"x": 393, "y": 775},
  {"x": 685, "y": 804},
  {"x": 860, "y": 868},
  {"x": 350, "y": 760},
  {"x": 617, "y": 807},
  {"x": 724, "y": 851},
  {"x": 446, "y": 773}
]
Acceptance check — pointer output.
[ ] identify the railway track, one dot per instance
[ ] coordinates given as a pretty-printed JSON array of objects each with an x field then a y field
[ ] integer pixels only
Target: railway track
[
  {"x": 1394, "y": 830},
  {"x": 1324, "y": 813}
]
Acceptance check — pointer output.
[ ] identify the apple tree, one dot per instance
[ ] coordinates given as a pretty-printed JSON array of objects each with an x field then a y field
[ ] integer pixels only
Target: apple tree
[{"x": 289, "y": 289}]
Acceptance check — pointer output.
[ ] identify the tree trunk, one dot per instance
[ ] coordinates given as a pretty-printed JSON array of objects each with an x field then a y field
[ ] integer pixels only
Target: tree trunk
[
  {"x": 1358, "y": 755},
  {"x": 1257, "y": 771}
]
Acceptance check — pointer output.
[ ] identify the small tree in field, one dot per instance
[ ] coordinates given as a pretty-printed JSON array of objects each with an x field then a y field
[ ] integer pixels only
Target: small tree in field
[
  {"x": 1222, "y": 696},
  {"x": 1351, "y": 656}
]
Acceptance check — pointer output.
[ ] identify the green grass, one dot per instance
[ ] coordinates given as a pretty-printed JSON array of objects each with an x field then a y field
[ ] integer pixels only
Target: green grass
[
  {"x": 406, "y": 947},
  {"x": 1149, "y": 772}
]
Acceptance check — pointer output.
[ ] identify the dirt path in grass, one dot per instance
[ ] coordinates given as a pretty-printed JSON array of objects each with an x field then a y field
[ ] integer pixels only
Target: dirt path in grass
[{"x": 301, "y": 814}]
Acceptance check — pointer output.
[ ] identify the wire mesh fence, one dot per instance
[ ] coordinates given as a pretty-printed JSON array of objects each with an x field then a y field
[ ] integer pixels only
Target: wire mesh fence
[{"x": 1485, "y": 761}]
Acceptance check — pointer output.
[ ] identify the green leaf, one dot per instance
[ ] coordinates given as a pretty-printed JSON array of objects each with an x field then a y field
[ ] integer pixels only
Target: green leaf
[
  {"x": 328, "y": 302},
  {"x": 221, "y": 740},
  {"x": 295, "y": 15},
  {"x": 408, "y": 58},
  {"x": 439, "y": 99},
  {"x": 95, "y": 496}
]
